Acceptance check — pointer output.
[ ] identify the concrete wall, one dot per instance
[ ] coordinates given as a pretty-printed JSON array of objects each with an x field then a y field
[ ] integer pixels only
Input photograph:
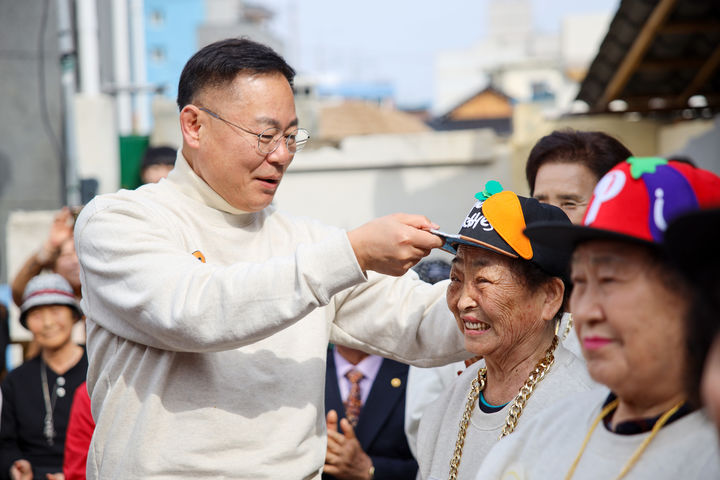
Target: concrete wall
[
  {"x": 434, "y": 174},
  {"x": 529, "y": 125},
  {"x": 698, "y": 139},
  {"x": 166, "y": 130},
  {"x": 30, "y": 167}
]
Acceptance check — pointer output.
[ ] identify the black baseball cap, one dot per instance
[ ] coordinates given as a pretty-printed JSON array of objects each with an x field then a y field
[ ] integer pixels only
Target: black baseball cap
[{"x": 497, "y": 221}]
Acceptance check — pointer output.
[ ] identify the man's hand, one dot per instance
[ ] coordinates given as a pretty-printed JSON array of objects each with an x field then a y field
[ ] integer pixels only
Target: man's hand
[
  {"x": 21, "y": 470},
  {"x": 345, "y": 458},
  {"x": 394, "y": 243}
]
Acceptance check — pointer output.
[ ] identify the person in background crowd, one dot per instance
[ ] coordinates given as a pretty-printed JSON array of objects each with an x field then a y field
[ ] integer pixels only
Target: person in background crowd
[
  {"x": 432, "y": 271},
  {"x": 197, "y": 280},
  {"x": 56, "y": 254},
  {"x": 562, "y": 170},
  {"x": 564, "y": 166},
  {"x": 507, "y": 294},
  {"x": 79, "y": 434},
  {"x": 629, "y": 303},
  {"x": 156, "y": 164},
  {"x": 691, "y": 242},
  {"x": 37, "y": 395},
  {"x": 365, "y": 409}
]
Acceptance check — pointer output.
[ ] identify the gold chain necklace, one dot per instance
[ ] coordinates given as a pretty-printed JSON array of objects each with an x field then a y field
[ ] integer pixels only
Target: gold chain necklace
[
  {"x": 568, "y": 327},
  {"x": 639, "y": 451},
  {"x": 516, "y": 409}
]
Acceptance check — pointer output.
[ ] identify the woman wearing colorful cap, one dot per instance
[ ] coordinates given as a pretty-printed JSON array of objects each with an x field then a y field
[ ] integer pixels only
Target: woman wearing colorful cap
[
  {"x": 629, "y": 304},
  {"x": 507, "y": 294},
  {"x": 37, "y": 395}
]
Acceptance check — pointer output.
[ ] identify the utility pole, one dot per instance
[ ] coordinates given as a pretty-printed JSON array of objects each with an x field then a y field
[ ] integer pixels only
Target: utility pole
[{"x": 66, "y": 47}]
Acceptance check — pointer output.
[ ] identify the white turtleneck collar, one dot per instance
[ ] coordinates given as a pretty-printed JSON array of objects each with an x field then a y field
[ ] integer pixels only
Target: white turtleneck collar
[{"x": 190, "y": 184}]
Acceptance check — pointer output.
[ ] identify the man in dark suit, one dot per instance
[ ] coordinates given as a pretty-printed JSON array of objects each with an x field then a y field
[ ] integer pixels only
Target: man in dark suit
[{"x": 376, "y": 446}]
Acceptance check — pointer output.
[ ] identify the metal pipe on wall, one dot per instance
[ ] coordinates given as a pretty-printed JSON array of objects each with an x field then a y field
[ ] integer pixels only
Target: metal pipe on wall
[
  {"x": 121, "y": 64},
  {"x": 139, "y": 68},
  {"x": 88, "y": 53},
  {"x": 66, "y": 49}
]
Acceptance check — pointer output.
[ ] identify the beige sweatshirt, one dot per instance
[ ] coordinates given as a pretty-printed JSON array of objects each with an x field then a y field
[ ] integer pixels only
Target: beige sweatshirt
[{"x": 216, "y": 369}]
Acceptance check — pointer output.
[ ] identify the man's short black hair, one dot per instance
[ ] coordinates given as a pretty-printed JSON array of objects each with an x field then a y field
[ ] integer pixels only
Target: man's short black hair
[
  {"x": 598, "y": 151},
  {"x": 219, "y": 64}
]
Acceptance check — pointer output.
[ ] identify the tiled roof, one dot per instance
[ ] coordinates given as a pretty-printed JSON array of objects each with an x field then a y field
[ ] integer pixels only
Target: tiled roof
[
  {"x": 656, "y": 55},
  {"x": 364, "y": 118}
]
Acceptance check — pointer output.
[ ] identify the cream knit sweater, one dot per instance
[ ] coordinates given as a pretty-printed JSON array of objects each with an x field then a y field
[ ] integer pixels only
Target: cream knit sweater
[{"x": 216, "y": 369}]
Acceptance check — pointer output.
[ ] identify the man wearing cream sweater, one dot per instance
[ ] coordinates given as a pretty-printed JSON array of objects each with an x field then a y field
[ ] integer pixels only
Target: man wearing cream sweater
[{"x": 209, "y": 312}]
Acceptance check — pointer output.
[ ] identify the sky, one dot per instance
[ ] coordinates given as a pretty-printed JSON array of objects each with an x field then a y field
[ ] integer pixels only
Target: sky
[{"x": 395, "y": 41}]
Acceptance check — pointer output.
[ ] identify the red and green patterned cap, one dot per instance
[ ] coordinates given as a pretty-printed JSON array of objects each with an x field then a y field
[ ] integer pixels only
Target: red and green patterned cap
[{"x": 636, "y": 201}]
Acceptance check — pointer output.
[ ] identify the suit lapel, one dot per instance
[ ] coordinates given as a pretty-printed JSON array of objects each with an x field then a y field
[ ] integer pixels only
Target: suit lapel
[
  {"x": 381, "y": 401},
  {"x": 333, "y": 401}
]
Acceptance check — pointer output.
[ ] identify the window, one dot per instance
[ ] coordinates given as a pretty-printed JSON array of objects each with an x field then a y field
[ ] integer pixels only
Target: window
[
  {"x": 157, "y": 18},
  {"x": 158, "y": 54}
]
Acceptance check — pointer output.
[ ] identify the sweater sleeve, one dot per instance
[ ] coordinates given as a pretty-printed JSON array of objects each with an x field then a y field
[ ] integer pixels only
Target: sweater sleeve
[
  {"x": 402, "y": 318},
  {"x": 140, "y": 283}
]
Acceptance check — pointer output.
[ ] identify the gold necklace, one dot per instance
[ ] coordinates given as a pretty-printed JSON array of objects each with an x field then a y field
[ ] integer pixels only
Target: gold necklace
[
  {"x": 639, "y": 451},
  {"x": 516, "y": 409},
  {"x": 568, "y": 327}
]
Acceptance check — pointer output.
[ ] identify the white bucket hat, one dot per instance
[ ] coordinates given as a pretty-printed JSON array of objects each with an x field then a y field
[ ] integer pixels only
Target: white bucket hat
[{"x": 48, "y": 289}]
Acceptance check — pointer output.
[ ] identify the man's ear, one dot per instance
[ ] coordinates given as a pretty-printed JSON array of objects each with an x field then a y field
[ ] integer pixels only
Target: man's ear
[{"x": 190, "y": 125}]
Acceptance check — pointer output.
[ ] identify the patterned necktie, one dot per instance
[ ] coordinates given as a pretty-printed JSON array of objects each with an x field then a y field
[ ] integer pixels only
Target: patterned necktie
[{"x": 353, "y": 404}]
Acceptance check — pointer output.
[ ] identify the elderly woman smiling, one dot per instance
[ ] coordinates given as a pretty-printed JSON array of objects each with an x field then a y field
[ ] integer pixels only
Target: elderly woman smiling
[
  {"x": 629, "y": 305},
  {"x": 506, "y": 294}
]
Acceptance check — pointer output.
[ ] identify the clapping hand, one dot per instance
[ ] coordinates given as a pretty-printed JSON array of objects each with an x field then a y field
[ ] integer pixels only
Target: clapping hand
[{"x": 345, "y": 458}]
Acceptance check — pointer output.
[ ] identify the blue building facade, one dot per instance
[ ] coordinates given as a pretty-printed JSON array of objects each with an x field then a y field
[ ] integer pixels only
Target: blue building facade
[{"x": 170, "y": 39}]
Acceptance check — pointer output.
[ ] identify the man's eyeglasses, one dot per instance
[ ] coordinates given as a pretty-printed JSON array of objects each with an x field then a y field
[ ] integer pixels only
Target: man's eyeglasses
[{"x": 269, "y": 139}]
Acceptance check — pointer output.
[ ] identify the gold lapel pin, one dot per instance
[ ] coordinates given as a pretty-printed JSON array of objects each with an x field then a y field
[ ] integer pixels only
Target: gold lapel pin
[{"x": 396, "y": 382}]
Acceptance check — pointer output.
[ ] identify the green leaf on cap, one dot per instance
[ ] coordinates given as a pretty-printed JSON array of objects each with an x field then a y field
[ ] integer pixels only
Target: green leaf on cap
[
  {"x": 491, "y": 188},
  {"x": 640, "y": 165}
]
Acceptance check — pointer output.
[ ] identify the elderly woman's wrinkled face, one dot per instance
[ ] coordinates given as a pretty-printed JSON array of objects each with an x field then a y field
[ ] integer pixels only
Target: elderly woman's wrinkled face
[
  {"x": 493, "y": 308},
  {"x": 629, "y": 322}
]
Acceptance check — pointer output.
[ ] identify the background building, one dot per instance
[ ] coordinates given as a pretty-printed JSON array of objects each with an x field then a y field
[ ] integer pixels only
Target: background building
[
  {"x": 493, "y": 100},
  {"x": 522, "y": 63}
]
